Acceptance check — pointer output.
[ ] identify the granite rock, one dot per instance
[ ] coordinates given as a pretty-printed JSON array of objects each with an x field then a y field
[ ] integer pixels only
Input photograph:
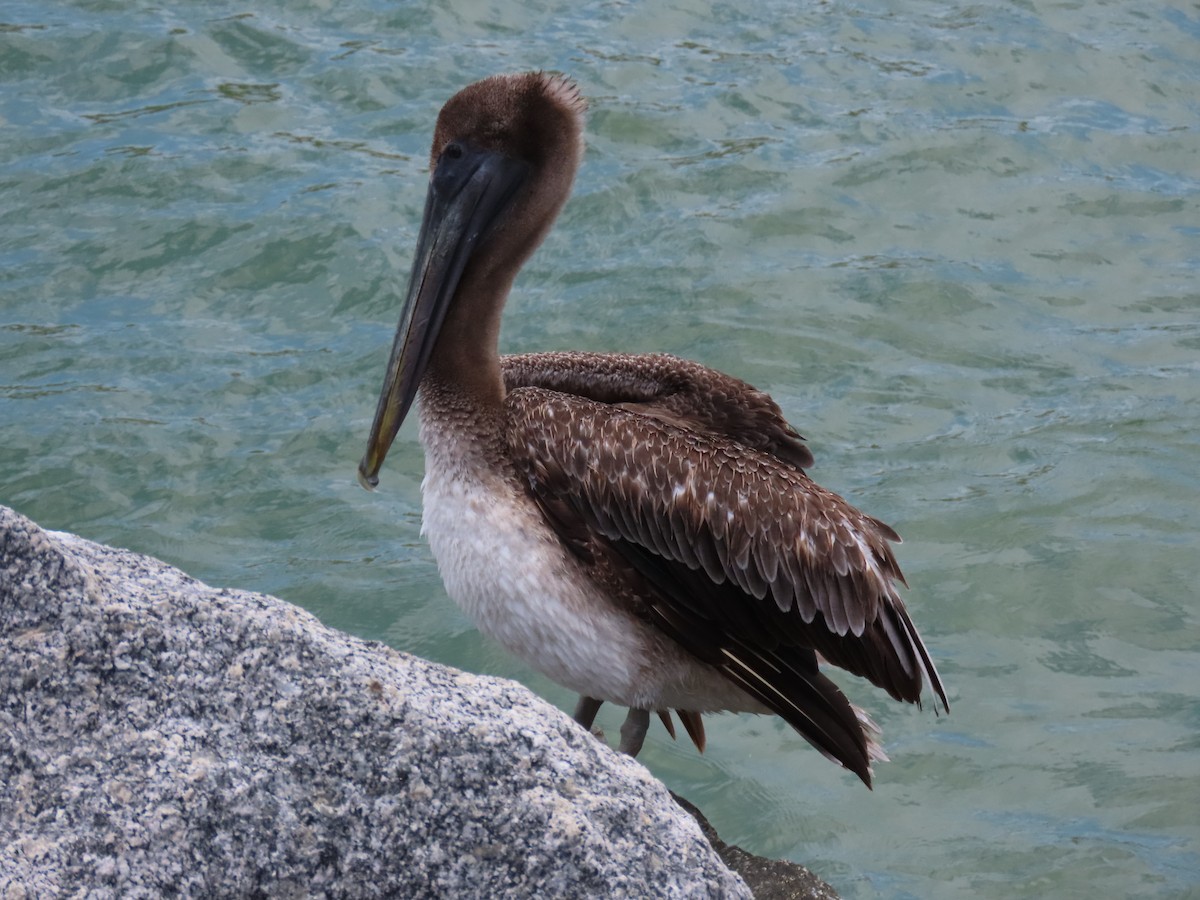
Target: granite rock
[
  {"x": 768, "y": 879},
  {"x": 159, "y": 737}
]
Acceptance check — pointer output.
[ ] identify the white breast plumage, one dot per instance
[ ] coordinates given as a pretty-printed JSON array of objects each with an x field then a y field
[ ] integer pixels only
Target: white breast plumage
[{"x": 522, "y": 588}]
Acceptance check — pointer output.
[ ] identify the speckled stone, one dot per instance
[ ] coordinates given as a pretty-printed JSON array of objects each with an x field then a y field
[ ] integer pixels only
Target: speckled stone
[
  {"x": 769, "y": 879},
  {"x": 159, "y": 737}
]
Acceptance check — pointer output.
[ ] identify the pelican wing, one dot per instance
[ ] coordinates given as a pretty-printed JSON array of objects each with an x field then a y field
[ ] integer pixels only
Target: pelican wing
[
  {"x": 744, "y": 553},
  {"x": 667, "y": 388}
]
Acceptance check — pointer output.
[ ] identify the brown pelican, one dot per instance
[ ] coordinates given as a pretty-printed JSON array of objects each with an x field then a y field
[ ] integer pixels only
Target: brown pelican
[{"x": 638, "y": 528}]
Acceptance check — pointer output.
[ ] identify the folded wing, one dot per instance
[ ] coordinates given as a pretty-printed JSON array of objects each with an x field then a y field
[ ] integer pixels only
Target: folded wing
[{"x": 750, "y": 565}]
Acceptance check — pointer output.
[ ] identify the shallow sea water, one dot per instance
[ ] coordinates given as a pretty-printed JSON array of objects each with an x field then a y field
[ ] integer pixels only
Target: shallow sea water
[{"x": 959, "y": 243}]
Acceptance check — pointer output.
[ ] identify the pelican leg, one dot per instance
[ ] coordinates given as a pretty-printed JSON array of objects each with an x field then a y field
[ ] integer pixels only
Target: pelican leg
[
  {"x": 633, "y": 732},
  {"x": 586, "y": 709}
]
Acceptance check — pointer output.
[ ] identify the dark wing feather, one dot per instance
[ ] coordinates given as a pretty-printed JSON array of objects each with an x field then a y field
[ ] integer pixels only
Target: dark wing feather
[
  {"x": 667, "y": 388},
  {"x": 784, "y": 559},
  {"x": 783, "y": 678}
]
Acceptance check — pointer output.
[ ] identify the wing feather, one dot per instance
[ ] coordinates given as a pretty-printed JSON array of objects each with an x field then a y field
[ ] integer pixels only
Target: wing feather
[
  {"x": 669, "y": 389},
  {"x": 785, "y": 679},
  {"x": 799, "y": 557}
]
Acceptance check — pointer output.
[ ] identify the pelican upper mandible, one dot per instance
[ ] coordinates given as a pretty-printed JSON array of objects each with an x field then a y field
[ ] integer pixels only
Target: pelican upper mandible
[{"x": 639, "y": 528}]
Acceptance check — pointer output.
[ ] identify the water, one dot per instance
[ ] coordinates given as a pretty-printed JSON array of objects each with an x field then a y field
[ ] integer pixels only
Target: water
[{"x": 959, "y": 243}]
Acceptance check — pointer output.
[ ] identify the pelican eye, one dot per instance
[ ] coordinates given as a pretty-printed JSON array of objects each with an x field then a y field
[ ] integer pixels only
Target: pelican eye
[{"x": 454, "y": 150}]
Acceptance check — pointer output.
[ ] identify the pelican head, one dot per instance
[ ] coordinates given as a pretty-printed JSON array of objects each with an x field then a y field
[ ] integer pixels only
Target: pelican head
[{"x": 504, "y": 156}]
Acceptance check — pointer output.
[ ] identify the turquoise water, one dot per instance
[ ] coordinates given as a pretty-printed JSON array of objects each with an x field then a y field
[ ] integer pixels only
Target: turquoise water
[{"x": 959, "y": 243}]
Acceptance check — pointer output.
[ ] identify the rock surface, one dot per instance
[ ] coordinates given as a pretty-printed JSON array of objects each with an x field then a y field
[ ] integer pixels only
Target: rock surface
[
  {"x": 159, "y": 737},
  {"x": 769, "y": 879}
]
